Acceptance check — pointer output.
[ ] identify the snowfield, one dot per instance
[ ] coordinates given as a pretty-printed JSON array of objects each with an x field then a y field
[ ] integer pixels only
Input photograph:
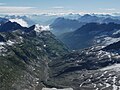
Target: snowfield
[
  {"x": 40, "y": 28},
  {"x": 115, "y": 67},
  {"x": 20, "y": 21},
  {"x": 56, "y": 89}
]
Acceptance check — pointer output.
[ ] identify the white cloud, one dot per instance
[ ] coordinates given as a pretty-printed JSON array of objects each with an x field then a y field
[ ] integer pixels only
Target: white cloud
[
  {"x": 111, "y": 9},
  {"x": 108, "y": 9},
  {"x": 54, "y": 10},
  {"x": 58, "y": 7},
  {"x": 32, "y": 10},
  {"x": 15, "y": 9}
]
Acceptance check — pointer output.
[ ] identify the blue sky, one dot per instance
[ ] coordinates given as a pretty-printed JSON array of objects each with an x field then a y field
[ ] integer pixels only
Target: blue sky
[{"x": 59, "y": 6}]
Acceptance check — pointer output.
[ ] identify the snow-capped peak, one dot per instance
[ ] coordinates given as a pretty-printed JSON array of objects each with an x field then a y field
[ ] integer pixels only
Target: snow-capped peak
[
  {"x": 40, "y": 28},
  {"x": 19, "y": 21}
]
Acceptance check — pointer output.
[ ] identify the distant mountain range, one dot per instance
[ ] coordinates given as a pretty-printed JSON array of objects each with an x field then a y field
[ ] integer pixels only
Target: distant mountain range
[
  {"x": 43, "y": 19},
  {"x": 98, "y": 19},
  {"x": 63, "y": 25},
  {"x": 92, "y": 34}
]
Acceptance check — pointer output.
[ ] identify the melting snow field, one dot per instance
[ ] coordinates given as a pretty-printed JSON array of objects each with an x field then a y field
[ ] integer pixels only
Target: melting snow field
[
  {"x": 115, "y": 67},
  {"x": 56, "y": 89},
  {"x": 110, "y": 40}
]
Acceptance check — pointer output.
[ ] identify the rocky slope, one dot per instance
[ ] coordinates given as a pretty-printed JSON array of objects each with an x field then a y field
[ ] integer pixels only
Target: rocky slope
[
  {"x": 24, "y": 55},
  {"x": 63, "y": 25},
  {"x": 89, "y": 69}
]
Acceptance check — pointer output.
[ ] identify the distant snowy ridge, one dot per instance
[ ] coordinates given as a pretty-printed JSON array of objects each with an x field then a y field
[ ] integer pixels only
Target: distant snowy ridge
[
  {"x": 20, "y": 21},
  {"x": 40, "y": 28}
]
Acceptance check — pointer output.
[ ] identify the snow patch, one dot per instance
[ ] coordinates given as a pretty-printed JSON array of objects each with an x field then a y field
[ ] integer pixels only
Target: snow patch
[
  {"x": 40, "y": 28},
  {"x": 107, "y": 84},
  {"x": 2, "y": 49},
  {"x": 115, "y": 67},
  {"x": 20, "y": 21},
  {"x": 114, "y": 85},
  {"x": 2, "y": 43},
  {"x": 56, "y": 89},
  {"x": 10, "y": 43},
  {"x": 102, "y": 54},
  {"x": 44, "y": 45},
  {"x": 117, "y": 32},
  {"x": 110, "y": 40}
]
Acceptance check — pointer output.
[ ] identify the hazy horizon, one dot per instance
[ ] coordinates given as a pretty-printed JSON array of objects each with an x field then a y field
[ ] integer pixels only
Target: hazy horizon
[{"x": 59, "y": 6}]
